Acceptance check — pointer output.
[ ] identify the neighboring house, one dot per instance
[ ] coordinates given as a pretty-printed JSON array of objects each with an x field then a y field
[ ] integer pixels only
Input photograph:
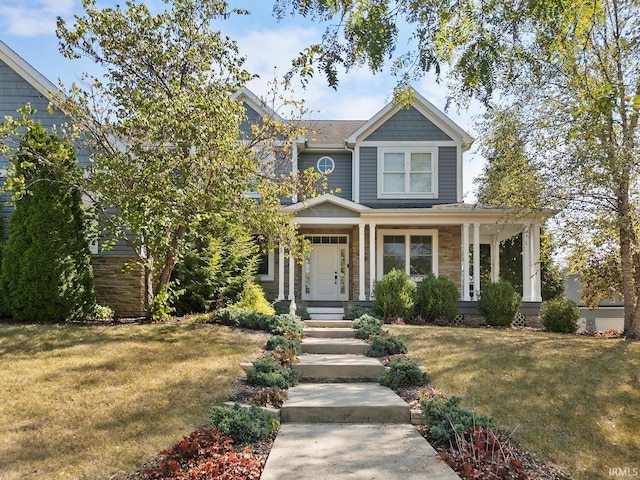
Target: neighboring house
[
  {"x": 608, "y": 316},
  {"x": 20, "y": 83},
  {"x": 397, "y": 179}
]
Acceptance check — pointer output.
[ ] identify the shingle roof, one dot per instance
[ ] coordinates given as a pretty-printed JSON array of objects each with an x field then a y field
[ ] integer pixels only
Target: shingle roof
[{"x": 330, "y": 132}]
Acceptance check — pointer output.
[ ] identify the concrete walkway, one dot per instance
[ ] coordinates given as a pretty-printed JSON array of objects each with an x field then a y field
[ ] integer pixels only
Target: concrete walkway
[{"x": 340, "y": 423}]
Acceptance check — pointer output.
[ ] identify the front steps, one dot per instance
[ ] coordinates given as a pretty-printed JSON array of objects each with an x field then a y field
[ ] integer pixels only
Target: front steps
[
  {"x": 347, "y": 368},
  {"x": 326, "y": 313},
  {"x": 340, "y": 346}
]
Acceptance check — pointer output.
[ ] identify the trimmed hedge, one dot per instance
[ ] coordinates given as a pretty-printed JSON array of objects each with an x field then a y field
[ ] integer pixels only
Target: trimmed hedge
[{"x": 499, "y": 303}]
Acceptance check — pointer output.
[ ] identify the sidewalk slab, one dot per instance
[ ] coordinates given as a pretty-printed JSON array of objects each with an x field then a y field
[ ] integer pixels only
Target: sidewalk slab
[
  {"x": 353, "y": 452},
  {"x": 344, "y": 403}
]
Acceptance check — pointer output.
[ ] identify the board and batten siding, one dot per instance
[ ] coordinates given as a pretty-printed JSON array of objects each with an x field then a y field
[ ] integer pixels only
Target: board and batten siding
[{"x": 340, "y": 178}]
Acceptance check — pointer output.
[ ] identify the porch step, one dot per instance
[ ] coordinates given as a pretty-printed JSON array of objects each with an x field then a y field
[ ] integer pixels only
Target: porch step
[
  {"x": 326, "y": 313},
  {"x": 334, "y": 345},
  {"x": 344, "y": 403},
  {"x": 328, "y": 323},
  {"x": 323, "y": 332},
  {"x": 336, "y": 367}
]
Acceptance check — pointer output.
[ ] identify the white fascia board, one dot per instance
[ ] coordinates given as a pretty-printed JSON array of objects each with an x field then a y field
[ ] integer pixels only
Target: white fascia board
[
  {"x": 246, "y": 95},
  {"x": 27, "y": 72},
  {"x": 326, "y": 198}
]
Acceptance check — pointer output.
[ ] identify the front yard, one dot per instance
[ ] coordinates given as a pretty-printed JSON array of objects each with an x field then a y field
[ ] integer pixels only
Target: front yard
[
  {"x": 92, "y": 402},
  {"x": 573, "y": 400}
]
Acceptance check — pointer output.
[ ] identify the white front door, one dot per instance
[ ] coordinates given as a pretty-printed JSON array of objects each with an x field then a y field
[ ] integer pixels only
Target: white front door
[{"x": 326, "y": 273}]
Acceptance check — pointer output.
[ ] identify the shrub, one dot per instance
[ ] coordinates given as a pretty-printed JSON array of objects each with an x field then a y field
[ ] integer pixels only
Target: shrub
[
  {"x": 357, "y": 311},
  {"x": 383, "y": 346},
  {"x": 252, "y": 299},
  {"x": 560, "y": 315},
  {"x": 283, "y": 343},
  {"x": 269, "y": 372},
  {"x": 446, "y": 419},
  {"x": 102, "y": 312},
  {"x": 269, "y": 397},
  {"x": 283, "y": 324},
  {"x": 394, "y": 295},
  {"x": 282, "y": 308},
  {"x": 46, "y": 272},
  {"x": 365, "y": 326},
  {"x": 403, "y": 373},
  {"x": 437, "y": 298},
  {"x": 244, "y": 425},
  {"x": 499, "y": 303},
  {"x": 235, "y": 317}
]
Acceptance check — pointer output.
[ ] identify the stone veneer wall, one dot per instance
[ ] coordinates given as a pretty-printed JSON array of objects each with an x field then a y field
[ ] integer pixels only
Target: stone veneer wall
[
  {"x": 122, "y": 291},
  {"x": 450, "y": 254}
]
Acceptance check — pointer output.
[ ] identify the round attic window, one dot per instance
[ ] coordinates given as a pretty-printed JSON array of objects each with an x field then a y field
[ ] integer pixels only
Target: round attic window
[{"x": 326, "y": 165}]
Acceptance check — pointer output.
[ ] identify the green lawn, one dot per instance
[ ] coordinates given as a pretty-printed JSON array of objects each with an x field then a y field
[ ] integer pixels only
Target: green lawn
[
  {"x": 574, "y": 400},
  {"x": 92, "y": 402}
]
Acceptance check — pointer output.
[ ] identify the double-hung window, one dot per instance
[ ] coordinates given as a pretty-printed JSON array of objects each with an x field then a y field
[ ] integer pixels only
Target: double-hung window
[
  {"x": 407, "y": 172},
  {"x": 413, "y": 251}
]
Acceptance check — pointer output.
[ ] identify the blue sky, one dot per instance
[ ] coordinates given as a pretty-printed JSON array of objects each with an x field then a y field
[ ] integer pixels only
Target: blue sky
[{"x": 28, "y": 27}]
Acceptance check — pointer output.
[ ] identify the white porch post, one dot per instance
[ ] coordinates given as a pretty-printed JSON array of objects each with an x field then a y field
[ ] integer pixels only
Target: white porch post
[
  {"x": 526, "y": 264},
  {"x": 372, "y": 258},
  {"x": 495, "y": 259},
  {"x": 536, "y": 279},
  {"x": 476, "y": 261},
  {"x": 281, "y": 273},
  {"x": 292, "y": 272},
  {"x": 465, "y": 262},
  {"x": 361, "y": 263}
]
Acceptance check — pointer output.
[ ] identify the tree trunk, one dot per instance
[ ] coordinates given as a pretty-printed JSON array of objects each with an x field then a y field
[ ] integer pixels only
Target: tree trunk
[
  {"x": 148, "y": 286},
  {"x": 172, "y": 259},
  {"x": 627, "y": 240}
]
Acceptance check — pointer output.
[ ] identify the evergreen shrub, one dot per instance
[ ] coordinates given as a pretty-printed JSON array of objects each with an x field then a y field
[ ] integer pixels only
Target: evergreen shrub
[
  {"x": 383, "y": 346},
  {"x": 365, "y": 326},
  {"x": 253, "y": 299},
  {"x": 560, "y": 315},
  {"x": 356, "y": 311},
  {"x": 235, "y": 317},
  {"x": 394, "y": 295},
  {"x": 283, "y": 343},
  {"x": 403, "y": 373},
  {"x": 445, "y": 420},
  {"x": 499, "y": 303},
  {"x": 283, "y": 324},
  {"x": 244, "y": 425},
  {"x": 437, "y": 298},
  {"x": 268, "y": 372}
]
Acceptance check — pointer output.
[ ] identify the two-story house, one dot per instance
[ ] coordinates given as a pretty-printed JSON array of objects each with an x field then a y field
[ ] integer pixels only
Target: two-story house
[{"x": 397, "y": 179}]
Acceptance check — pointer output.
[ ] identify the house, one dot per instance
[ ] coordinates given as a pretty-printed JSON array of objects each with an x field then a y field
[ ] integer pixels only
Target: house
[
  {"x": 609, "y": 315},
  {"x": 398, "y": 204},
  {"x": 397, "y": 178}
]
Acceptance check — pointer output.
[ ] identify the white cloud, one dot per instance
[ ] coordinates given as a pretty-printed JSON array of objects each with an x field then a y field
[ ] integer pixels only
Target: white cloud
[{"x": 36, "y": 19}]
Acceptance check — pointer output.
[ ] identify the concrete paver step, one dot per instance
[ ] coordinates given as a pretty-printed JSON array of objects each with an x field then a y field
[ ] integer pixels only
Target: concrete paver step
[
  {"x": 328, "y": 323},
  {"x": 344, "y": 403},
  {"x": 324, "y": 367},
  {"x": 334, "y": 345},
  {"x": 353, "y": 452},
  {"x": 329, "y": 332}
]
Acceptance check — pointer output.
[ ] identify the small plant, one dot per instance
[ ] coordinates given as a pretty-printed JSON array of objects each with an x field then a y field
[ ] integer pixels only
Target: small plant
[
  {"x": 365, "y": 326},
  {"x": 394, "y": 295},
  {"x": 162, "y": 304},
  {"x": 403, "y": 373},
  {"x": 286, "y": 342},
  {"x": 286, "y": 358},
  {"x": 560, "y": 315},
  {"x": 283, "y": 324},
  {"x": 385, "y": 345},
  {"x": 445, "y": 419},
  {"x": 102, "y": 312},
  {"x": 269, "y": 372},
  {"x": 235, "y": 317},
  {"x": 437, "y": 299},
  {"x": 270, "y": 397},
  {"x": 244, "y": 425},
  {"x": 499, "y": 303},
  {"x": 357, "y": 311},
  {"x": 253, "y": 299}
]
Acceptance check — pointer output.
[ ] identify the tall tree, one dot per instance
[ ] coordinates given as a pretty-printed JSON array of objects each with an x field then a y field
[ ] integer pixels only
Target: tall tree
[
  {"x": 46, "y": 272},
  {"x": 571, "y": 71},
  {"x": 167, "y": 131}
]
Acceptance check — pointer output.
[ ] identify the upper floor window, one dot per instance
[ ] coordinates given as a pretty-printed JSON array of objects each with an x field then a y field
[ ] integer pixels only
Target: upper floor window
[
  {"x": 326, "y": 165},
  {"x": 407, "y": 172}
]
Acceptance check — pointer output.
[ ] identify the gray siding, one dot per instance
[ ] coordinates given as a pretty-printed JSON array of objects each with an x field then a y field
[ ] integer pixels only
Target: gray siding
[
  {"x": 408, "y": 125},
  {"x": 447, "y": 181},
  {"x": 253, "y": 118},
  {"x": 328, "y": 210},
  {"x": 339, "y": 178}
]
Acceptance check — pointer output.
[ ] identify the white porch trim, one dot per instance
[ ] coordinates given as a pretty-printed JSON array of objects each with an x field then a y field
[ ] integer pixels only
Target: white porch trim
[
  {"x": 281, "y": 273},
  {"x": 361, "y": 263},
  {"x": 476, "y": 261},
  {"x": 372, "y": 258},
  {"x": 292, "y": 275},
  {"x": 465, "y": 263}
]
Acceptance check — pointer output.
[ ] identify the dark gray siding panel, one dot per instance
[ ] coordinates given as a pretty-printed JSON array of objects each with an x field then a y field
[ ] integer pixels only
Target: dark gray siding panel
[
  {"x": 328, "y": 210},
  {"x": 408, "y": 125},
  {"x": 339, "y": 178},
  {"x": 447, "y": 181},
  {"x": 253, "y": 118}
]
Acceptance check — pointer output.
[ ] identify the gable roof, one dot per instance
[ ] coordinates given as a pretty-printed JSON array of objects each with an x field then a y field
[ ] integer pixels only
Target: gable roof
[
  {"x": 427, "y": 109},
  {"x": 26, "y": 71},
  {"x": 247, "y": 96},
  {"x": 326, "y": 198}
]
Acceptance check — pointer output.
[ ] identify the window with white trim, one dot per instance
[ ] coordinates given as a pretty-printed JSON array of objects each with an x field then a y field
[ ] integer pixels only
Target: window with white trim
[
  {"x": 413, "y": 251},
  {"x": 407, "y": 172}
]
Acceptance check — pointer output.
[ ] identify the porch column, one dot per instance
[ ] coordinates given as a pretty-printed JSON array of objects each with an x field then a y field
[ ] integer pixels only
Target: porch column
[
  {"x": 292, "y": 273},
  {"x": 465, "y": 262},
  {"x": 536, "y": 279},
  {"x": 476, "y": 261},
  {"x": 495, "y": 259},
  {"x": 526, "y": 264},
  {"x": 372, "y": 258},
  {"x": 361, "y": 263},
  {"x": 281, "y": 273}
]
